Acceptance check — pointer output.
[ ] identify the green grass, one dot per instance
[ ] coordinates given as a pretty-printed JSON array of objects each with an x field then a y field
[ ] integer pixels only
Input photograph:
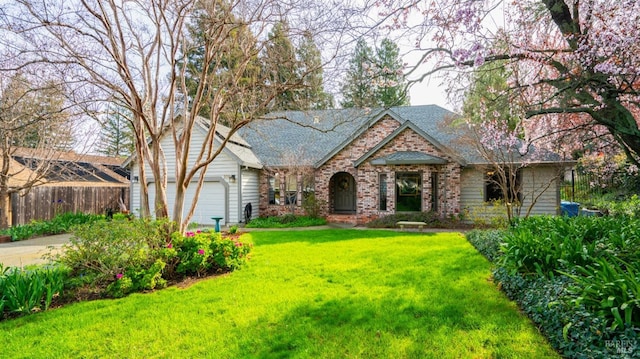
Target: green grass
[{"x": 313, "y": 294}]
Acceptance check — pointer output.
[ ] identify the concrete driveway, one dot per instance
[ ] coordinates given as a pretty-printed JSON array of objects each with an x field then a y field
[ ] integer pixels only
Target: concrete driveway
[{"x": 30, "y": 251}]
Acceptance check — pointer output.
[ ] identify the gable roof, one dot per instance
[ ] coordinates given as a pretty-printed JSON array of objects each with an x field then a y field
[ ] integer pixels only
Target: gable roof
[{"x": 314, "y": 137}]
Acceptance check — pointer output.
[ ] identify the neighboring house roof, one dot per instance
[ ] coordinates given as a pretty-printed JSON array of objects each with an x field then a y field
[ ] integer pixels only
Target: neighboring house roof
[
  {"x": 51, "y": 167},
  {"x": 314, "y": 137}
]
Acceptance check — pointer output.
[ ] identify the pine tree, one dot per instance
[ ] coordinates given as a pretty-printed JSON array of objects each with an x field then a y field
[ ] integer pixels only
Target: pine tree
[
  {"x": 234, "y": 44},
  {"x": 375, "y": 80},
  {"x": 116, "y": 135},
  {"x": 358, "y": 90},
  {"x": 281, "y": 68},
  {"x": 391, "y": 89},
  {"x": 312, "y": 95}
]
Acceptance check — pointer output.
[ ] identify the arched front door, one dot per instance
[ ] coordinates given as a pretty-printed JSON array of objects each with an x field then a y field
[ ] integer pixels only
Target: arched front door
[{"x": 344, "y": 193}]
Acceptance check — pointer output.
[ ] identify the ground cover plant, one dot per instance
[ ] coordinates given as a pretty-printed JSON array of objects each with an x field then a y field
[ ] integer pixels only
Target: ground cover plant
[
  {"x": 304, "y": 294},
  {"x": 115, "y": 258},
  {"x": 577, "y": 278},
  {"x": 62, "y": 223},
  {"x": 286, "y": 221}
]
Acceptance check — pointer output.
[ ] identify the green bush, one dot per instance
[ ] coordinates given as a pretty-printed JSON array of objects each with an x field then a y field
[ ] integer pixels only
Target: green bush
[
  {"x": 286, "y": 221},
  {"x": 577, "y": 278},
  {"x": 28, "y": 290},
  {"x": 544, "y": 244},
  {"x": 61, "y": 223},
  {"x": 203, "y": 253},
  {"x": 610, "y": 288},
  {"x": 105, "y": 251}
]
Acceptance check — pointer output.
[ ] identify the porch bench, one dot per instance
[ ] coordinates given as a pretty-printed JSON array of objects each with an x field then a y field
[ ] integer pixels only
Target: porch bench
[{"x": 409, "y": 224}]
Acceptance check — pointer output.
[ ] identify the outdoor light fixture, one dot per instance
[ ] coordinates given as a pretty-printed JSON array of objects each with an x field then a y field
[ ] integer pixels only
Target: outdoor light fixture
[
  {"x": 232, "y": 178},
  {"x": 135, "y": 179}
]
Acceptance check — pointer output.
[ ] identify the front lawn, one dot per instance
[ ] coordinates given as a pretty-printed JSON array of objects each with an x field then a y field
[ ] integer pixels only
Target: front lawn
[{"x": 330, "y": 293}]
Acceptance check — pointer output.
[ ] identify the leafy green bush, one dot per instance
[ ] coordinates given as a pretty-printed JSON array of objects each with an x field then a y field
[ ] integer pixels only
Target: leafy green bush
[
  {"x": 577, "y": 278},
  {"x": 203, "y": 253},
  {"x": 610, "y": 288},
  {"x": 61, "y": 223},
  {"x": 546, "y": 244},
  {"x": 28, "y": 290},
  {"x": 107, "y": 251},
  {"x": 286, "y": 221}
]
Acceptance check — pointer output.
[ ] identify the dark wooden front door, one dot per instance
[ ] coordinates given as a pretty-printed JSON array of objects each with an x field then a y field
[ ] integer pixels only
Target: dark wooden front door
[{"x": 344, "y": 189}]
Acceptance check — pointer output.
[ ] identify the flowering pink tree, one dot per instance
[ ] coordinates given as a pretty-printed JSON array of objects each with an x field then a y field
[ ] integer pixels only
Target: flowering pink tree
[{"x": 567, "y": 57}]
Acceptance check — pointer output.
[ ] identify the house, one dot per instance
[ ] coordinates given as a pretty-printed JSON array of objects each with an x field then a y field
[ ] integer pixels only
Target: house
[
  {"x": 359, "y": 165},
  {"x": 50, "y": 182},
  {"x": 231, "y": 180}
]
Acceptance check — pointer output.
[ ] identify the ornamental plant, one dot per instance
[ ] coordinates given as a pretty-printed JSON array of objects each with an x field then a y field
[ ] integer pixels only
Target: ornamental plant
[{"x": 200, "y": 253}]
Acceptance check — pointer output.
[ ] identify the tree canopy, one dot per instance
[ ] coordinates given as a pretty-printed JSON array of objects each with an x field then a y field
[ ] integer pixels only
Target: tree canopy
[
  {"x": 375, "y": 78},
  {"x": 566, "y": 57}
]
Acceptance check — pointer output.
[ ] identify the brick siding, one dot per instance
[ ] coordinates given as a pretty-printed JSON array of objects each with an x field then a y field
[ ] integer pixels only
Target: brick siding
[{"x": 367, "y": 176}]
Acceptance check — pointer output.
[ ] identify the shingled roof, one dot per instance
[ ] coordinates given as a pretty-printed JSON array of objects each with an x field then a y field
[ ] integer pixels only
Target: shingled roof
[{"x": 313, "y": 137}]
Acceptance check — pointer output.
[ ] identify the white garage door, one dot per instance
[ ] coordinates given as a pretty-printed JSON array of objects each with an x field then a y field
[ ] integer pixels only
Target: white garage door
[{"x": 211, "y": 201}]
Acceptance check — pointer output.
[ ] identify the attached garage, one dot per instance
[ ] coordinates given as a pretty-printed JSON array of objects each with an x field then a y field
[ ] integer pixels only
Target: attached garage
[{"x": 212, "y": 201}]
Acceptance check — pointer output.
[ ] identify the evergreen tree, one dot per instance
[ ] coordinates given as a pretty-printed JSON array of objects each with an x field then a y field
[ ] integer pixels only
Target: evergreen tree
[
  {"x": 282, "y": 68},
  {"x": 487, "y": 97},
  {"x": 359, "y": 90},
  {"x": 312, "y": 95},
  {"x": 234, "y": 45},
  {"x": 116, "y": 135},
  {"x": 391, "y": 89}
]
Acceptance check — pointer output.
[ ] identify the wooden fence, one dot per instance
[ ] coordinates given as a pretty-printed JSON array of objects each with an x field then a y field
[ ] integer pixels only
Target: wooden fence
[{"x": 44, "y": 203}]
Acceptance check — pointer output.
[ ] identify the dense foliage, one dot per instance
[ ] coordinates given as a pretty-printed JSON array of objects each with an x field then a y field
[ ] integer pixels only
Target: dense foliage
[
  {"x": 61, "y": 223},
  {"x": 286, "y": 221},
  {"x": 29, "y": 290},
  {"x": 118, "y": 257},
  {"x": 577, "y": 278}
]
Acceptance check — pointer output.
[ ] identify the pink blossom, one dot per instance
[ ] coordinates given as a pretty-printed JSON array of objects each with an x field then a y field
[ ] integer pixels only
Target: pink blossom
[
  {"x": 169, "y": 245},
  {"x": 201, "y": 251},
  {"x": 189, "y": 234},
  {"x": 119, "y": 276}
]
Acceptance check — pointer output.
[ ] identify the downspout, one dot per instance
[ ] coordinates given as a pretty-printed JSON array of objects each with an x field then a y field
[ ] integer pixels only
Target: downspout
[{"x": 240, "y": 206}]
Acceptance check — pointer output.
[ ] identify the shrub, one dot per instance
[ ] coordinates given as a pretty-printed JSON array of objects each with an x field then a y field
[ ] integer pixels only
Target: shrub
[
  {"x": 203, "y": 253},
  {"x": 312, "y": 206},
  {"x": 610, "y": 288},
  {"x": 28, "y": 290},
  {"x": 286, "y": 221},
  {"x": 61, "y": 223},
  {"x": 105, "y": 251}
]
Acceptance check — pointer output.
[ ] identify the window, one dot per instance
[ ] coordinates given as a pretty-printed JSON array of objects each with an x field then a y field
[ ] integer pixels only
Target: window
[
  {"x": 274, "y": 190},
  {"x": 494, "y": 182},
  {"x": 291, "y": 189},
  {"x": 408, "y": 192},
  {"x": 434, "y": 192},
  {"x": 383, "y": 192}
]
